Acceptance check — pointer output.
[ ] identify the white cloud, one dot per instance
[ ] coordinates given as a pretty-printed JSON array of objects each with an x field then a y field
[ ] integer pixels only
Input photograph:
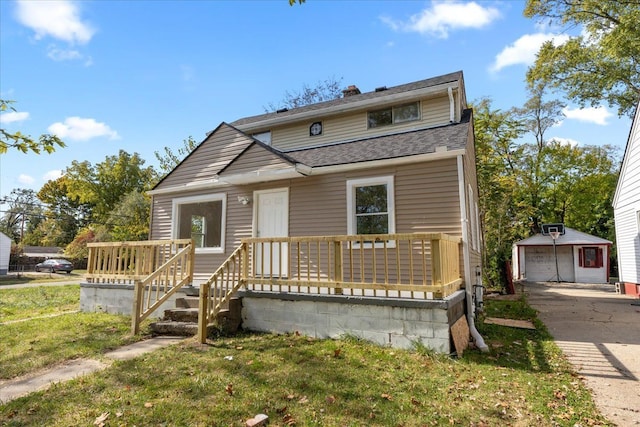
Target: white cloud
[
  {"x": 77, "y": 128},
  {"x": 524, "y": 50},
  {"x": 597, "y": 115},
  {"x": 446, "y": 16},
  {"x": 63, "y": 54},
  {"x": 13, "y": 116},
  {"x": 52, "y": 174},
  {"x": 25, "y": 179},
  {"x": 59, "y": 19},
  {"x": 564, "y": 141}
]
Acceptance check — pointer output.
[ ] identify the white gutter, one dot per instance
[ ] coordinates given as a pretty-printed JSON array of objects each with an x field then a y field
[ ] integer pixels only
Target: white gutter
[
  {"x": 477, "y": 338},
  {"x": 190, "y": 186},
  {"x": 452, "y": 105},
  {"x": 349, "y": 106},
  {"x": 261, "y": 175}
]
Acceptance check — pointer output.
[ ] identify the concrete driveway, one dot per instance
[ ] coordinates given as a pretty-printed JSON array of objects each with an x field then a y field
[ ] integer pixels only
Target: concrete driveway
[{"x": 599, "y": 332}]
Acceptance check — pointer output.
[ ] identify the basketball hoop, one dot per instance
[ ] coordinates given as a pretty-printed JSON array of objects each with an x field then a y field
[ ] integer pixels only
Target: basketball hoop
[{"x": 554, "y": 234}]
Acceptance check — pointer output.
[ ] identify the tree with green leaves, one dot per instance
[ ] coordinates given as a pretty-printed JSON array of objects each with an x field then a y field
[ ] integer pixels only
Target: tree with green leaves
[
  {"x": 130, "y": 218},
  {"x": 18, "y": 141},
  {"x": 169, "y": 160},
  {"x": 22, "y": 213},
  {"x": 525, "y": 184},
  {"x": 602, "y": 63},
  {"x": 103, "y": 185}
]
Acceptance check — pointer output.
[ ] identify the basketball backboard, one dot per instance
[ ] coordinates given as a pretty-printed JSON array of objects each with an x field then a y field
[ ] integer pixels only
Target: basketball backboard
[{"x": 547, "y": 229}]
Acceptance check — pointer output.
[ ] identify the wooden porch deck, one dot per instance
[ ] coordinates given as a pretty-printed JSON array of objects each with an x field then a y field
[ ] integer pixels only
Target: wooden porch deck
[{"x": 412, "y": 265}]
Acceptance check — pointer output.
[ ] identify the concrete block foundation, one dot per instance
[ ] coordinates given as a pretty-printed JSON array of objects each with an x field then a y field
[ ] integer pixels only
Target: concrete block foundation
[{"x": 398, "y": 323}]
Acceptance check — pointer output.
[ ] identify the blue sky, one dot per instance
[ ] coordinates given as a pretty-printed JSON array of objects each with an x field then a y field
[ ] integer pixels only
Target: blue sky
[{"x": 142, "y": 75}]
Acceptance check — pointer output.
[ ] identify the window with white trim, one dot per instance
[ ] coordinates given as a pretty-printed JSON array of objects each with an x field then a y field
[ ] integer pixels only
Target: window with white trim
[
  {"x": 395, "y": 114},
  {"x": 201, "y": 218},
  {"x": 370, "y": 206}
]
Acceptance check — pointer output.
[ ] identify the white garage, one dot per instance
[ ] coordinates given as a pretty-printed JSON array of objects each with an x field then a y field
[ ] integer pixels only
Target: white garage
[{"x": 577, "y": 257}]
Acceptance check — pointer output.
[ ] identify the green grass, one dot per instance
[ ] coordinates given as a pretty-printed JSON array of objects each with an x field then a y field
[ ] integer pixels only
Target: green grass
[
  {"x": 32, "y": 278},
  {"x": 24, "y": 303},
  {"x": 522, "y": 381}
]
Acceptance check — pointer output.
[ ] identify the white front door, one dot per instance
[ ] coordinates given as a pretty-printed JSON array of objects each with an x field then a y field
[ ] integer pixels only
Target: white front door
[{"x": 271, "y": 220}]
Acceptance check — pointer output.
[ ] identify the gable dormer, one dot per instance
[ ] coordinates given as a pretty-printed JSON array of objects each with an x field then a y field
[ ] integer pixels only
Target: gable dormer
[{"x": 384, "y": 111}]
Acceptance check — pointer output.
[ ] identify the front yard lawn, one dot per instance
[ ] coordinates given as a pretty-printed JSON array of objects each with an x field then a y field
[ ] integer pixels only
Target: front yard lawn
[
  {"x": 301, "y": 381},
  {"x": 30, "y": 302}
]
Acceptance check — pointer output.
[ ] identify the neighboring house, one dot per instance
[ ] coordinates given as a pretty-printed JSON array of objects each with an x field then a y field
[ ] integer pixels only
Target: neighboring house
[
  {"x": 392, "y": 161},
  {"x": 40, "y": 253},
  {"x": 626, "y": 211},
  {"x": 580, "y": 258},
  {"x": 5, "y": 253}
]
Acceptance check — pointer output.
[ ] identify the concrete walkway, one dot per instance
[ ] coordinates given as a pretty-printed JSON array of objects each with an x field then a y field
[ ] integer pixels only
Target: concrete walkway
[
  {"x": 21, "y": 386},
  {"x": 599, "y": 332}
]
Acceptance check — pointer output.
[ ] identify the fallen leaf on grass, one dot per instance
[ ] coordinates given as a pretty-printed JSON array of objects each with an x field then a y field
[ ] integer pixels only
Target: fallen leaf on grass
[
  {"x": 229, "y": 389},
  {"x": 330, "y": 399},
  {"x": 101, "y": 419},
  {"x": 148, "y": 405},
  {"x": 291, "y": 396},
  {"x": 288, "y": 420},
  {"x": 336, "y": 352},
  {"x": 415, "y": 401},
  {"x": 386, "y": 396},
  {"x": 303, "y": 400}
]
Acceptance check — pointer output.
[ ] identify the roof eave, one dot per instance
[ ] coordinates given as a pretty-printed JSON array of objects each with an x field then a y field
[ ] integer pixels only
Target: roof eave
[{"x": 396, "y": 97}]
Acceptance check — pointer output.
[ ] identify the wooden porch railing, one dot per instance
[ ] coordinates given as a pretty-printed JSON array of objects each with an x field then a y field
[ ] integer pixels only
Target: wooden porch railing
[
  {"x": 412, "y": 265},
  {"x": 223, "y": 283},
  {"x": 156, "y": 268},
  {"x": 418, "y": 265}
]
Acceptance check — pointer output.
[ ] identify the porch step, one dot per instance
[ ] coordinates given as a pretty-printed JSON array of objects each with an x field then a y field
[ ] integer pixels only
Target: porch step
[
  {"x": 188, "y": 302},
  {"x": 169, "y": 327},
  {"x": 183, "y": 320},
  {"x": 182, "y": 315}
]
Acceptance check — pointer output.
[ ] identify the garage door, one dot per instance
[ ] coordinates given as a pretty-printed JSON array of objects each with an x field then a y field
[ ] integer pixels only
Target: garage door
[{"x": 540, "y": 264}]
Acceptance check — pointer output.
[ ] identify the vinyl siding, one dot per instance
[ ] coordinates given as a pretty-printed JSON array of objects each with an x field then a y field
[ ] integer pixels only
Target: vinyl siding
[
  {"x": 434, "y": 112},
  {"x": 628, "y": 243},
  {"x": 255, "y": 158},
  {"x": 426, "y": 200},
  {"x": 626, "y": 206},
  {"x": 629, "y": 191},
  {"x": 215, "y": 152}
]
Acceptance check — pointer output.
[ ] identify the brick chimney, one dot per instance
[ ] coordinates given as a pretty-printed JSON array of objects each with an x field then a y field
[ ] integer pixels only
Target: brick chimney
[{"x": 350, "y": 91}]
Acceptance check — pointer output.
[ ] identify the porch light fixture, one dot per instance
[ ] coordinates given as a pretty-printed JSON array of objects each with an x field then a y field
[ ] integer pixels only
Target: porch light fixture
[{"x": 245, "y": 200}]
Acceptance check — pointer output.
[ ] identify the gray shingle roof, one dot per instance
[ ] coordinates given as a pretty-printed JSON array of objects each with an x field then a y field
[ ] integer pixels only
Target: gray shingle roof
[
  {"x": 453, "y": 136},
  {"x": 570, "y": 237},
  {"x": 434, "y": 81}
]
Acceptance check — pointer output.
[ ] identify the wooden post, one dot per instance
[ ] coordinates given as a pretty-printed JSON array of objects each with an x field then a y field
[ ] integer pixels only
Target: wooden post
[
  {"x": 437, "y": 265},
  {"x": 337, "y": 265},
  {"x": 244, "y": 253},
  {"x": 137, "y": 307},
  {"x": 203, "y": 316}
]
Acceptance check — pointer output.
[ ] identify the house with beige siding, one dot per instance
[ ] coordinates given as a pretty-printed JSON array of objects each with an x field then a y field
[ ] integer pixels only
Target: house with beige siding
[
  {"x": 626, "y": 211},
  {"x": 319, "y": 213}
]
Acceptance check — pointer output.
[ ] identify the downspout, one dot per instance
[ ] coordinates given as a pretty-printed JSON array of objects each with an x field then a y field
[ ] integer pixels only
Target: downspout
[
  {"x": 477, "y": 338},
  {"x": 452, "y": 105}
]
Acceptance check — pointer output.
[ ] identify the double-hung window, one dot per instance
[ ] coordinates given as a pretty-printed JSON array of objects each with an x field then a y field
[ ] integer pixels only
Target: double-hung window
[
  {"x": 370, "y": 206},
  {"x": 201, "y": 218},
  {"x": 396, "y": 114}
]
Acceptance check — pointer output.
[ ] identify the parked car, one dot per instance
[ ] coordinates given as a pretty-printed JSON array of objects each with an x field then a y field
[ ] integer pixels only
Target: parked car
[{"x": 53, "y": 265}]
